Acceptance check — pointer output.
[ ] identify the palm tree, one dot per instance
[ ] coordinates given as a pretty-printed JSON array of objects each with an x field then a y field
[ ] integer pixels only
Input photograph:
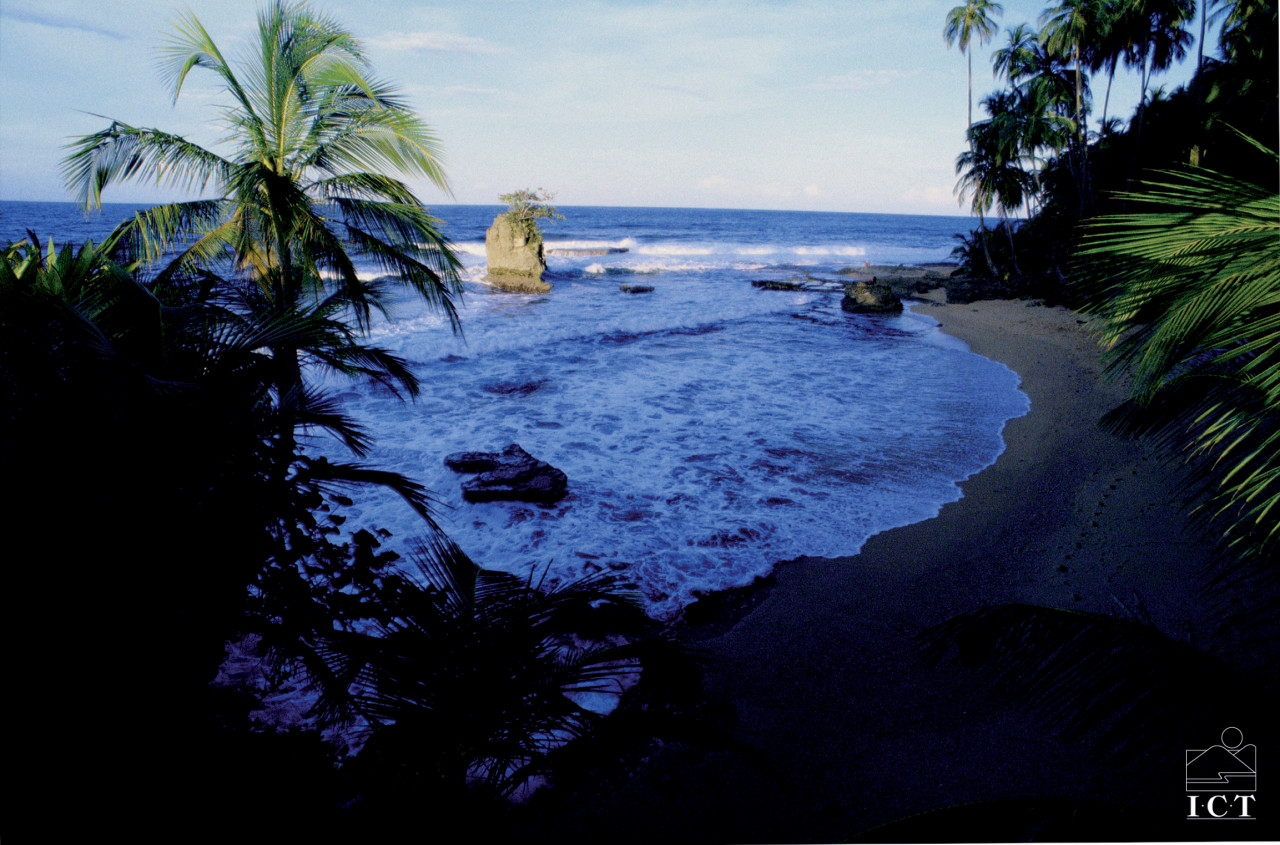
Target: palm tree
[
  {"x": 1036, "y": 114},
  {"x": 1156, "y": 36},
  {"x": 963, "y": 23},
  {"x": 1015, "y": 60},
  {"x": 1210, "y": 11},
  {"x": 303, "y": 190},
  {"x": 992, "y": 172},
  {"x": 1110, "y": 45},
  {"x": 1241, "y": 86},
  {"x": 1072, "y": 26}
]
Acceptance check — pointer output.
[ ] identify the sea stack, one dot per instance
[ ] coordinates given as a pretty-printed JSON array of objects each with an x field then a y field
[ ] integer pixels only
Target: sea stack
[{"x": 515, "y": 257}]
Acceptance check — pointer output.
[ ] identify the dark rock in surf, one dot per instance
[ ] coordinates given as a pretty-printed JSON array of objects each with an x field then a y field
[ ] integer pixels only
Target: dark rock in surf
[
  {"x": 510, "y": 475},
  {"x": 874, "y": 298},
  {"x": 769, "y": 284},
  {"x": 635, "y": 288}
]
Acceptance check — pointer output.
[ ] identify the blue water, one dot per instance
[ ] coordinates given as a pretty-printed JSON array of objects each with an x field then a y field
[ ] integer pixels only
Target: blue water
[{"x": 708, "y": 429}]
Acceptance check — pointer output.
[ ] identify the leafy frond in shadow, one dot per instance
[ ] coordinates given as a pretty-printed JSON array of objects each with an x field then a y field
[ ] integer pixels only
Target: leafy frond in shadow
[
  {"x": 1189, "y": 289},
  {"x": 480, "y": 675}
]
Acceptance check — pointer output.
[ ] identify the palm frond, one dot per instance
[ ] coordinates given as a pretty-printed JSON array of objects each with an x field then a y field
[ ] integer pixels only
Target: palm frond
[
  {"x": 122, "y": 152},
  {"x": 332, "y": 476},
  {"x": 477, "y": 674},
  {"x": 196, "y": 230},
  {"x": 406, "y": 244},
  {"x": 1189, "y": 289},
  {"x": 306, "y": 189},
  {"x": 191, "y": 46}
]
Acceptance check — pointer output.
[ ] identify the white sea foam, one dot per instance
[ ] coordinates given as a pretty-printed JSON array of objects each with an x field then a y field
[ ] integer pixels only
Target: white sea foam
[
  {"x": 621, "y": 243},
  {"x": 708, "y": 430},
  {"x": 830, "y": 250},
  {"x": 674, "y": 249}
]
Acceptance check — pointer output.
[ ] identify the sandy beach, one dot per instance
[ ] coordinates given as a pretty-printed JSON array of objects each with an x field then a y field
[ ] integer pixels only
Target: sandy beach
[{"x": 821, "y": 676}]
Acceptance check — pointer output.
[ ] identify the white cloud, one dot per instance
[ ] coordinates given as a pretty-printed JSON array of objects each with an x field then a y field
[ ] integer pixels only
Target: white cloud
[
  {"x": 472, "y": 91},
  {"x": 56, "y": 21},
  {"x": 681, "y": 89},
  {"x": 861, "y": 80},
  {"x": 437, "y": 42},
  {"x": 932, "y": 196}
]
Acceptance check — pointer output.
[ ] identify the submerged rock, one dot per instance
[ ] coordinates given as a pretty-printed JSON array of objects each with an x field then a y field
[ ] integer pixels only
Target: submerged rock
[
  {"x": 514, "y": 388},
  {"x": 636, "y": 288},
  {"x": 510, "y": 475},
  {"x": 873, "y": 298}
]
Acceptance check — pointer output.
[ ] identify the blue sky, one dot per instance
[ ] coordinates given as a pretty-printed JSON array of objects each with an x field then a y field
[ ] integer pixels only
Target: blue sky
[{"x": 833, "y": 106}]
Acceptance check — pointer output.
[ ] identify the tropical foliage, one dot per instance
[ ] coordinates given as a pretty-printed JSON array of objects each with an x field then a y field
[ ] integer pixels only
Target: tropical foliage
[
  {"x": 154, "y": 389},
  {"x": 1039, "y": 124},
  {"x": 1188, "y": 284},
  {"x": 1180, "y": 266},
  {"x": 303, "y": 189},
  {"x": 525, "y": 208},
  {"x": 964, "y": 23},
  {"x": 475, "y": 676}
]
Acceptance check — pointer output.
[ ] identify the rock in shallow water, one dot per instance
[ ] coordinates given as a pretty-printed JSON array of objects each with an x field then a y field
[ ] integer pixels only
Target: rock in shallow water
[
  {"x": 510, "y": 475},
  {"x": 873, "y": 298}
]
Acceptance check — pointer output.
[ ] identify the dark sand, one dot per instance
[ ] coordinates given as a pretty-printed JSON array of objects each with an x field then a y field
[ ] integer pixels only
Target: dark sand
[{"x": 823, "y": 680}]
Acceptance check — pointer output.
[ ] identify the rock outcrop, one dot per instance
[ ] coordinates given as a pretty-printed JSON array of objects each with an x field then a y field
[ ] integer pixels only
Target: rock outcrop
[
  {"x": 903, "y": 279},
  {"x": 516, "y": 259},
  {"x": 873, "y": 298},
  {"x": 510, "y": 475},
  {"x": 770, "y": 284},
  {"x": 636, "y": 288}
]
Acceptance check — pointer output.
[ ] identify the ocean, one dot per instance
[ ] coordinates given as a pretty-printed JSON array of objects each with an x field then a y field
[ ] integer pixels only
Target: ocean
[{"x": 709, "y": 429}]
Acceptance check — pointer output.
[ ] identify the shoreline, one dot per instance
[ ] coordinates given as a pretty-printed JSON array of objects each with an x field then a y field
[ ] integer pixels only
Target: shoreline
[{"x": 819, "y": 673}]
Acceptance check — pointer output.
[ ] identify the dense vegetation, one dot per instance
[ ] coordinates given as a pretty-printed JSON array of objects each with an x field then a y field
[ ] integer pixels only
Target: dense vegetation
[
  {"x": 1045, "y": 150},
  {"x": 159, "y": 408},
  {"x": 1167, "y": 227},
  {"x": 1166, "y": 230}
]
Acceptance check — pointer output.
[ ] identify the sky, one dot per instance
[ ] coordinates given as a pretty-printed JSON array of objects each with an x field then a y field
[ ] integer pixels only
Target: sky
[{"x": 823, "y": 106}]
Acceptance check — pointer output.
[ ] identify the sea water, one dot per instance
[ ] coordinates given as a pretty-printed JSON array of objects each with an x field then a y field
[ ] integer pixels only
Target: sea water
[{"x": 708, "y": 429}]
